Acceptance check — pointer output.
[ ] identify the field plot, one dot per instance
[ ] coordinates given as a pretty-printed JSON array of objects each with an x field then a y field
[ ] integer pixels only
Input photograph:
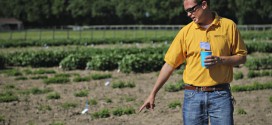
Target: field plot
[{"x": 52, "y": 85}]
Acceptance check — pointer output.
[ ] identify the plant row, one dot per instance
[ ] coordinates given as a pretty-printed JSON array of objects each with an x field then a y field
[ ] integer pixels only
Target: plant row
[
  {"x": 252, "y": 87},
  {"x": 127, "y": 60},
  {"x": 259, "y": 63},
  {"x": 252, "y": 46},
  {"x": 83, "y": 42}
]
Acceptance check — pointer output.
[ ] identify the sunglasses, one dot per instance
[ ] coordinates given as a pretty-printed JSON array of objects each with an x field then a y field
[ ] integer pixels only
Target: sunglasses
[{"x": 192, "y": 9}]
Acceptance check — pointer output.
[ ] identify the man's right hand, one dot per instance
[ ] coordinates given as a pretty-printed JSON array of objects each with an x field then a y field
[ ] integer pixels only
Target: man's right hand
[{"x": 149, "y": 103}]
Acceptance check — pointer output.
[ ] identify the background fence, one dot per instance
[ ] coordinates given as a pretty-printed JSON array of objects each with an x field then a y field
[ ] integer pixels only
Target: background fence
[{"x": 106, "y": 31}]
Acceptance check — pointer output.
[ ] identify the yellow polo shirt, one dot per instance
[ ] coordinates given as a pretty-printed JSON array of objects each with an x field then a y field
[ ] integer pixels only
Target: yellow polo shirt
[{"x": 225, "y": 40}]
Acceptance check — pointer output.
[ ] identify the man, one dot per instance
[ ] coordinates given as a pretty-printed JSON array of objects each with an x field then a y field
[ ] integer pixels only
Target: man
[{"x": 207, "y": 96}]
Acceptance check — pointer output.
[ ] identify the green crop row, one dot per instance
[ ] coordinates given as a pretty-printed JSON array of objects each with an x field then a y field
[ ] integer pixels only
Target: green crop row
[
  {"x": 252, "y": 74},
  {"x": 84, "y": 42},
  {"x": 259, "y": 63},
  {"x": 252, "y": 87},
  {"x": 259, "y": 47},
  {"x": 127, "y": 60}
]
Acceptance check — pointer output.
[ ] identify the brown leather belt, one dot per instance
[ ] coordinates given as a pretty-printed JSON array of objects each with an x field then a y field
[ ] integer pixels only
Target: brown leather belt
[{"x": 219, "y": 87}]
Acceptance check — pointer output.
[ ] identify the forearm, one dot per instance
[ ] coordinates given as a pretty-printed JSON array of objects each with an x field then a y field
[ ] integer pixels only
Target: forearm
[
  {"x": 165, "y": 73},
  {"x": 233, "y": 60}
]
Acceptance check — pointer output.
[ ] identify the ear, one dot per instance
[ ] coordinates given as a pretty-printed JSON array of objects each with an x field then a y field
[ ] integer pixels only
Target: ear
[{"x": 204, "y": 5}]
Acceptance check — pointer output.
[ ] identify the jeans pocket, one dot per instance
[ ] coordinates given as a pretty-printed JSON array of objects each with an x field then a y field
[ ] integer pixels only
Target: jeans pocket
[
  {"x": 223, "y": 93},
  {"x": 189, "y": 94}
]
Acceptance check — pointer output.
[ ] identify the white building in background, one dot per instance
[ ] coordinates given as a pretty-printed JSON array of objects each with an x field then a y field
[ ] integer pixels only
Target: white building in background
[{"x": 10, "y": 24}]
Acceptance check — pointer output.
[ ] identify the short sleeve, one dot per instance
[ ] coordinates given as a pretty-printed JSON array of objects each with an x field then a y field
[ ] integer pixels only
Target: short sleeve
[{"x": 176, "y": 52}]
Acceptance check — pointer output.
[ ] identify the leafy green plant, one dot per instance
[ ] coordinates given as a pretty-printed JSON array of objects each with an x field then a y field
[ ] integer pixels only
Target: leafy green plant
[
  {"x": 21, "y": 78},
  {"x": 74, "y": 61},
  {"x": 100, "y": 76},
  {"x": 56, "y": 80},
  {"x": 38, "y": 77},
  {"x": 56, "y": 123},
  {"x": 44, "y": 108},
  {"x": 252, "y": 73},
  {"x": 43, "y": 71},
  {"x": 174, "y": 104},
  {"x": 13, "y": 72},
  {"x": 123, "y": 84},
  {"x": 104, "y": 113},
  {"x": 104, "y": 62},
  {"x": 174, "y": 87},
  {"x": 53, "y": 95},
  {"x": 2, "y": 118},
  {"x": 123, "y": 111},
  {"x": 36, "y": 90},
  {"x": 81, "y": 79},
  {"x": 238, "y": 75},
  {"x": 68, "y": 105},
  {"x": 8, "y": 96},
  {"x": 251, "y": 87},
  {"x": 82, "y": 93},
  {"x": 92, "y": 102},
  {"x": 241, "y": 111}
]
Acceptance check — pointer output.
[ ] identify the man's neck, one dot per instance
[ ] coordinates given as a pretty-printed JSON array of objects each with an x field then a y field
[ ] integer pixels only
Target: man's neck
[{"x": 209, "y": 18}]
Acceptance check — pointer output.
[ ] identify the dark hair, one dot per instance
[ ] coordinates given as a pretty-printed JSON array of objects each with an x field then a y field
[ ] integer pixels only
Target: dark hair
[{"x": 200, "y": 1}]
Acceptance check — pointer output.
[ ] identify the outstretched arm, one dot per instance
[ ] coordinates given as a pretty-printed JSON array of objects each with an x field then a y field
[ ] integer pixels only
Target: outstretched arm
[{"x": 165, "y": 73}]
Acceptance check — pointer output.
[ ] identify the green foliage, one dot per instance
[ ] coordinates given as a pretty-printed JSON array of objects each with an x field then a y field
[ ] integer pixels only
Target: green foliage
[
  {"x": 53, "y": 95},
  {"x": 174, "y": 87},
  {"x": 2, "y": 61},
  {"x": 36, "y": 90},
  {"x": 21, "y": 78},
  {"x": 2, "y": 118},
  {"x": 100, "y": 76},
  {"x": 238, "y": 75},
  {"x": 123, "y": 111},
  {"x": 241, "y": 111},
  {"x": 104, "y": 113},
  {"x": 81, "y": 79},
  {"x": 104, "y": 62},
  {"x": 92, "y": 102},
  {"x": 122, "y": 84},
  {"x": 82, "y": 93},
  {"x": 74, "y": 61},
  {"x": 259, "y": 63},
  {"x": 43, "y": 71},
  {"x": 44, "y": 108},
  {"x": 270, "y": 99},
  {"x": 252, "y": 87},
  {"x": 108, "y": 100},
  {"x": 56, "y": 80},
  {"x": 8, "y": 96},
  {"x": 56, "y": 123},
  {"x": 174, "y": 104},
  {"x": 38, "y": 77},
  {"x": 12, "y": 72},
  {"x": 68, "y": 105},
  {"x": 9, "y": 86},
  {"x": 265, "y": 47},
  {"x": 141, "y": 63},
  {"x": 252, "y": 73}
]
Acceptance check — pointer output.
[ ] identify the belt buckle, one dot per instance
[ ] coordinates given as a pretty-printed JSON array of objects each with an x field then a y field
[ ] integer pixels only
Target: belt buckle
[{"x": 203, "y": 88}]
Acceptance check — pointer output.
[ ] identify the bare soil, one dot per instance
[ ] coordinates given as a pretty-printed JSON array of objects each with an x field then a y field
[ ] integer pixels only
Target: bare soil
[{"x": 26, "y": 111}]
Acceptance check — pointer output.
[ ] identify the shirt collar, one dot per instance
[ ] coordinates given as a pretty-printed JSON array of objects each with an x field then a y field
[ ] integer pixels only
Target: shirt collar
[{"x": 215, "y": 21}]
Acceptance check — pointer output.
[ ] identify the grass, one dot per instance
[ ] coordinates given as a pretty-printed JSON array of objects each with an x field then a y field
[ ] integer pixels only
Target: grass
[
  {"x": 252, "y": 87},
  {"x": 68, "y": 105},
  {"x": 53, "y": 95},
  {"x": 82, "y": 93},
  {"x": 174, "y": 104},
  {"x": 104, "y": 113},
  {"x": 241, "y": 111},
  {"x": 8, "y": 96},
  {"x": 100, "y": 76},
  {"x": 123, "y": 84},
  {"x": 238, "y": 75},
  {"x": 86, "y": 34}
]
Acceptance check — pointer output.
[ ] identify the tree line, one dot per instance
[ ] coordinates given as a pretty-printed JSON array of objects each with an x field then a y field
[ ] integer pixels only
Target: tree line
[{"x": 114, "y": 12}]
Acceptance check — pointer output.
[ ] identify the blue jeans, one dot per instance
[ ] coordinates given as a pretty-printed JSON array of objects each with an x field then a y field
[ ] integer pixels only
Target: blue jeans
[{"x": 200, "y": 108}]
